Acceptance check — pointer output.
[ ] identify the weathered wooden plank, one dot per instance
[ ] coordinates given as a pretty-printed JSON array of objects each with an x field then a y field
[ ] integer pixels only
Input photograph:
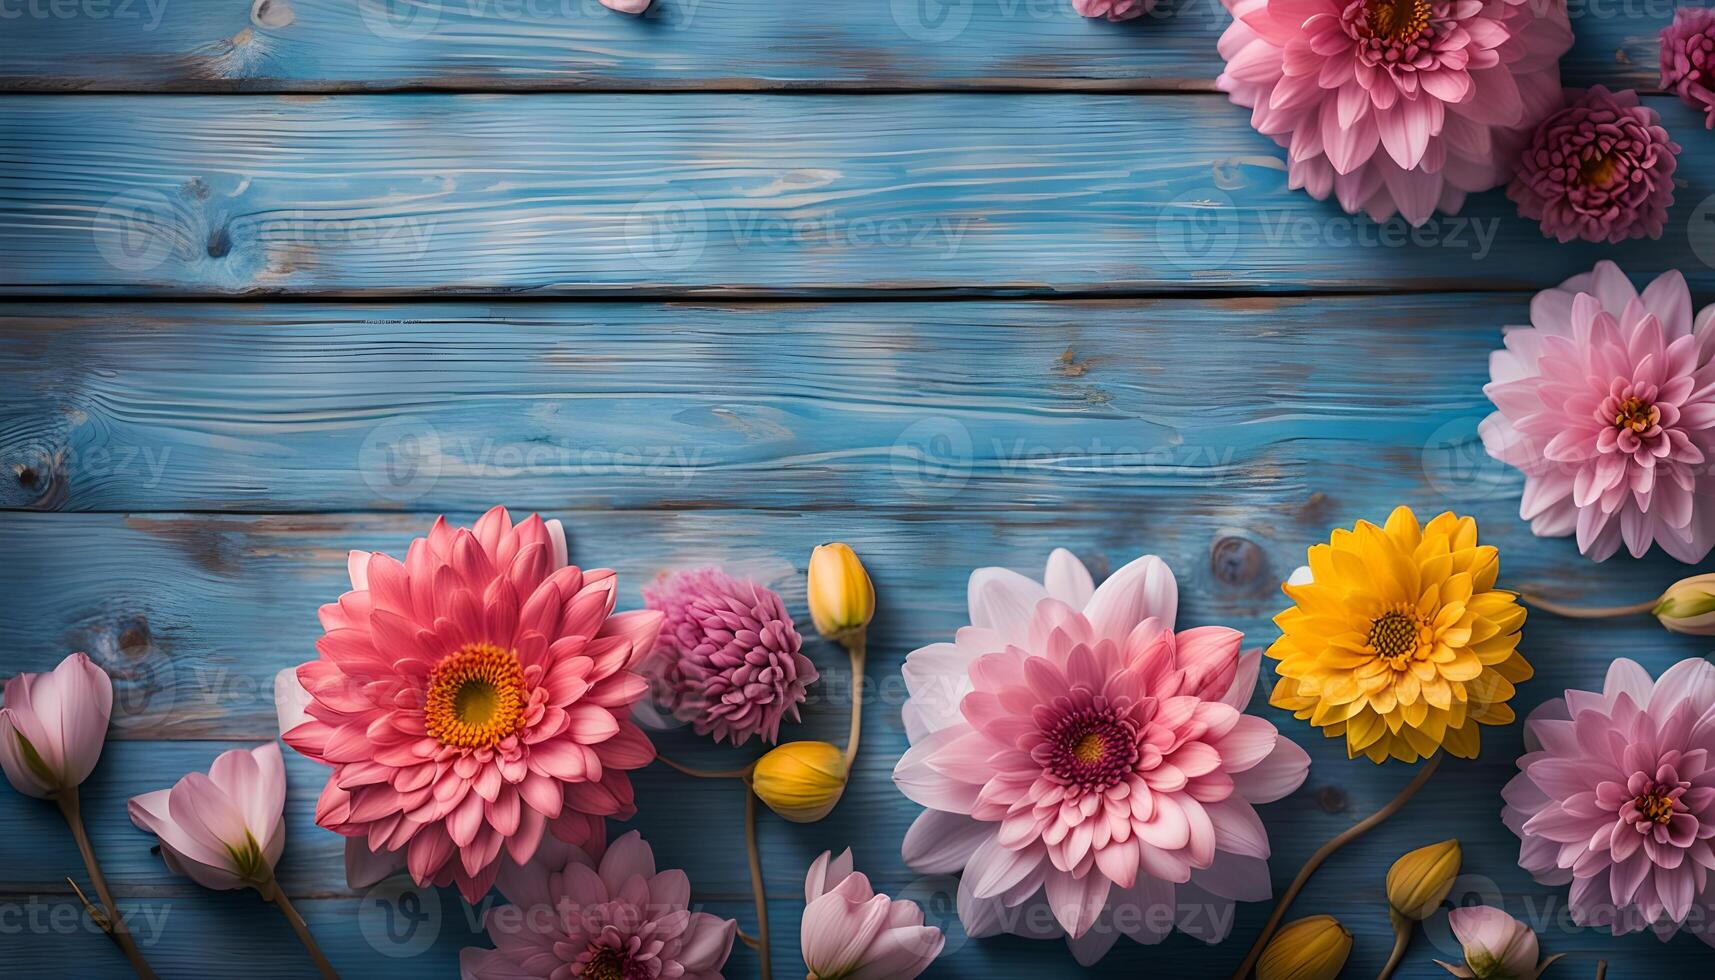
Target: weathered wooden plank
[
  {"x": 340, "y": 45},
  {"x": 791, "y": 407},
  {"x": 723, "y": 195}
]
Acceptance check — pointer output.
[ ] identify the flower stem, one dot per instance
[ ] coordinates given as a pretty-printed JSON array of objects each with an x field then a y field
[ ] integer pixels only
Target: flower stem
[
  {"x": 762, "y": 948},
  {"x": 274, "y": 893},
  {"x": 1326, "y": 851},
  {"x": 1402, "y": 927},
  {"x": 856, "y": 645},
  {"x": 1589, "y": 612},
  {"x": 1601, "y": 969},
  {"x": 706, "y": 773},
  {"x": 115, "y": 923}
]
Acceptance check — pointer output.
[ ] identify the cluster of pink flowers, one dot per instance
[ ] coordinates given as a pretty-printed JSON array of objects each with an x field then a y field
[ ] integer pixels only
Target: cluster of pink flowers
[
  {"x": 1600, "y": 169},
  {"x": 1395, "y": 106},
  {"x": 1688, "y": 59},
  {"x": 1073, "y": 751},
  {"x": 1606, "y": 403}
]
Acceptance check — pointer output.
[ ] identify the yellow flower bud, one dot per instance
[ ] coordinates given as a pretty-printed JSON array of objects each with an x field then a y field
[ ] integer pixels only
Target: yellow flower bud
[
  {"x": 801, "y": 781},
  {"x": 1309, "y": 949},
  {"x": 1688, "y": 606},
  {"x": 842, "y": 600},
  {"x": 1419, "y": 881}
]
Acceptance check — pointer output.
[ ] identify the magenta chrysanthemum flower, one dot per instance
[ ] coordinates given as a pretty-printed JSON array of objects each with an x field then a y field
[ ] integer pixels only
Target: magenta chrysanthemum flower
[
  {"x": 1114, "y": 9},
  {"x": 1606, "y": 402},
  {"x": 474, "y": 696},
  {"x": 574, "y": 917},
  {"x": 1600, "y": 169},
  {"x": 1688, "y": 59},
  {"x": 1616, "y": 796},
  {"x": 1395, "y": 106},
  {"x": 727, "y": 659},
  {"x": 1075, "y": 754}
]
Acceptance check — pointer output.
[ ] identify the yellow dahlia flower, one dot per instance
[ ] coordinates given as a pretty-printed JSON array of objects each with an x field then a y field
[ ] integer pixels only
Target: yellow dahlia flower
[{"x": 1399, "y": 640}]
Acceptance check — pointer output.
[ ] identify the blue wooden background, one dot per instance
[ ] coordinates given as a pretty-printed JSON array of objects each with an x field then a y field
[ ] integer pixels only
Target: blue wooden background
[{"x": 956, "y": 281}]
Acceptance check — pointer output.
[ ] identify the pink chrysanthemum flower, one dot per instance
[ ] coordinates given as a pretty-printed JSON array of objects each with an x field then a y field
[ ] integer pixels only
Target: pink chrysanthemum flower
[
  {"x": 1395, "y": 106},
  {"x": 1114, "y": 9},
  {"x": 1074, "y": 753},
  {"x": 1616, "y": 796},
  {"x": 621, "y": 919},
  {"x": 727, "y": 659},
  {"x": 1688, "y": 59},
  {"x": 1600, "y": 169},
  {"x": 1606, "y": 402},
  {"x": 474, "y": 696}
]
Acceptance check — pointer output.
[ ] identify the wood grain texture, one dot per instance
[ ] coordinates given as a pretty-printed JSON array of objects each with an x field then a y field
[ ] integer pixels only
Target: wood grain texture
[
  {"x": 346, "y": 45},
  {"x": 726, "y": 195}
]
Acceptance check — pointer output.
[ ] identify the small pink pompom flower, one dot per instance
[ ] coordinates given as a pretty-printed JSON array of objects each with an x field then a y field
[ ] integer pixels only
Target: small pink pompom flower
[
  {"x": 576, "y": 916},
  {"x": 727, "y": 659},
  {"x": 1114, "y": 9},
  {"x": 1616, "y": 796},
  {"x": 1600, "y": 169},
  {"x": 1606, "y": 403},
  {"x": 1395, "y": 106},
  {"x": 1688, "y": 59}
]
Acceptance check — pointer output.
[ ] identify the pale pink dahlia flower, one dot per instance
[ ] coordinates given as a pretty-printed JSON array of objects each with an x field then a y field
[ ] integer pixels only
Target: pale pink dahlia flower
[
  {"x": 1688, "y": 59},
  {"x": 616, "y": 919},
  {"x": 1600, "y": 169},
  {"x": 1114, "y": 9},
  {"x": 850, "y": 933},
  {"x": 727, "y": 659},
  {"x": 1616, "y": 796},
  {"x": 1396, "y": 106},
  {"x": 1606, "y": 402},
  {"x": 1073, "y": 752},
  {"x": 474, "y": 696}
]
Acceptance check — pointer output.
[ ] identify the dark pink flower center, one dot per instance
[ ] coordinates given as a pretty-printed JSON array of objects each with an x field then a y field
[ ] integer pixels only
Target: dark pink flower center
[
  {"x": 1091, "y": 748},
  {"x": 1393, "y": 33},
  {"x": 1655, "y": 800},
  {"x": 608, "y": 963}
]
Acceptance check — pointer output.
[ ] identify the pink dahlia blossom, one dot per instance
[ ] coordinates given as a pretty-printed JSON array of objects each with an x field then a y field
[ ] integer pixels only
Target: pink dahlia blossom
[
  {"x": 1688, "y": 59},
  {"x": 474, "y": 696},
  {"x": 54, "y": 726},
  {"x": 1600, "y": 169},
  {"x": 1606, "y": 402},
  {"x": 617, "y": 918},
  {"x": 1114, "y": 9},
  {"x": 1616, "y": 796},
  {"x": 851, "y": 933},
  {"x": 727, "y": 659},
  {"x": 1073, "y": 751},
  {"x": 223, "y": 829},
  {"x": 1396, "y": 106}
]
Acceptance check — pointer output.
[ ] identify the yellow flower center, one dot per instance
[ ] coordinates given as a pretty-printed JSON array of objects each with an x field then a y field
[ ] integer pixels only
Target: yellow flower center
[
  {"x": 1394, "y": 637},
  {"x": 1398, "y": 20},
  {"x": 1636, "y": 415},
  {"x": 476, "y": 696},
  {"x": 607, "y": 964},
  {"x": 1599, "y": 170},
  {"x": 1089, "y": 749},
  {"x": 1655, "y": 806}
]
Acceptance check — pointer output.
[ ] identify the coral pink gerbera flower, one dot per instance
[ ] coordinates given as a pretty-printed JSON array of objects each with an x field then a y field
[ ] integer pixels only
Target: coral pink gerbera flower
[
  {"x": 1616, "y": 796},
  {"x": 618, "y": 918},
  {"x": 727, "y": 659},
  {"x": 1395, "y": 105},
  {"x": 474, "y": 696},
  {"x": 1688, "y": 59},
  {"x": 1073, "y": 751},
  {"x": 1600, "y": 169},
  {"x": 1606, "y": 402}
]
